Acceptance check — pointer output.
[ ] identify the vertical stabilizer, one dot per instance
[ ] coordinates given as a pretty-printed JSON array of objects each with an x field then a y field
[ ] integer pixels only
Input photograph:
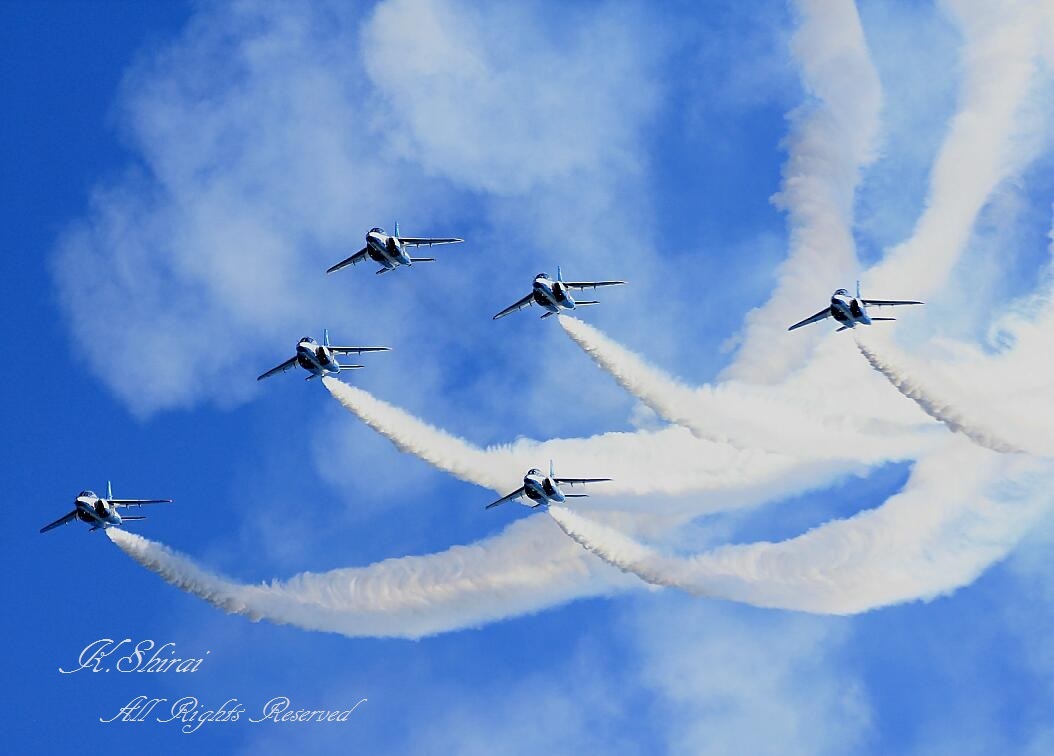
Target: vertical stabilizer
[
  {"x": 396, "y": 229},
  {"x": 858, "y": 289},
  {"x": 559, "y": 275},
  {"x": 109, "y": 491},
  {"x": 552, "y": 473},
  {"x": 325, "y": 336}
]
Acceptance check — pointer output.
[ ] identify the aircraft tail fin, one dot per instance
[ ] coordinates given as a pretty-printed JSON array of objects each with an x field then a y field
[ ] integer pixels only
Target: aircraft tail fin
[
  {"x": 383, "y": 270},
  {"x": 396, "y": 229},
  {"x": 548, "y": 314},
  {"x": 843, "y": 328},
  {"x": 109, "y": 491},
  {"x": 325, "y": 336},
  {"x": 422, "y": 259},
  {"x": 858, "y": 288},
  {"x": 559, "y": 275},
  {"x": 552, "y": 473}
]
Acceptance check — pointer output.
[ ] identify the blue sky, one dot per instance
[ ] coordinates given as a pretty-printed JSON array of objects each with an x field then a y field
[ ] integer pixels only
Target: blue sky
[{"x": 179, "y": 176}]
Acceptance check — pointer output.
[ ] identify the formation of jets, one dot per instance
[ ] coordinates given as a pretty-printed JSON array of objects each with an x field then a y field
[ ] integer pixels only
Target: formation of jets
[
  {"x": 99, "y": 512},
  {"x": 390, "y": 251},
  {"x": 851, "y": 311}
]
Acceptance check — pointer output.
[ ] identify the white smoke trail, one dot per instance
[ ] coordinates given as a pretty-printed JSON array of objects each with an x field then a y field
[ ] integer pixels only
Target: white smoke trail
[
  {"x": 528, "y": 567},
  {"x": 988, "y": 141},
  {"x": 670, "y": 461},
  {"x": 832, "y": 139},
  {"x": 937, "y": 535},
  {"x": 995, "y": 134},
  {"x": 813, "y": 414},
  {"x": 938, "y": 410}
]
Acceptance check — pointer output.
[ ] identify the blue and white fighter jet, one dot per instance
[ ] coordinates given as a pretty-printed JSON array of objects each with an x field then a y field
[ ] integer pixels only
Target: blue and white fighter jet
[
  {"x": 851, "y": 311},
  {"x": 101, "y": 513},
  {"x": 390, "y": 251},
  {"x": 544, "y": 489},
  {"x": 554, "y": 296},
  {"x": 319, "y": 359}
]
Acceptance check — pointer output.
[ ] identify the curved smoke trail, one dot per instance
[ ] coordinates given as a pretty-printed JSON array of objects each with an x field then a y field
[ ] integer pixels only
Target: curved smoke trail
[
  {"x": 832, "y": 139},
  {"x": 670, "y": 461},
  {"x": 933, "y": 537},
  {"x": 528, "y": 567},
  {"x": 796, "y": 417},
  {"x": 939, "y": 411}
]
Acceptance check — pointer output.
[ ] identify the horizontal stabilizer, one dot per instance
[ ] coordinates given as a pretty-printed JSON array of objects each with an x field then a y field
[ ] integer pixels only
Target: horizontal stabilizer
[
  {"x": 546, "y": 315},
  {"x": 351, "y": 367},
  {"x": 587, "y": 302},
  {"x": 422, "y": 259},
  {"x": 843, "y": 328},
  {"x": 126, "y": 518},
  {"x": 576, "y": 496},
  {"x": 383, "y": 270},
  {"x": 883, "y": 318}
]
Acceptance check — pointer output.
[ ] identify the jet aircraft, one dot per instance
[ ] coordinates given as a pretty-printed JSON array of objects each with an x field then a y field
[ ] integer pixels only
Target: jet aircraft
[
  {"x": 555, "y": 296},
  {"x": 390, "y": 251},
  {"x": 544, "y": 489},
  {"x": 851, "y": 311},
  {"x": 99, "y": 512},
  {"x": 319, "y": 359}
]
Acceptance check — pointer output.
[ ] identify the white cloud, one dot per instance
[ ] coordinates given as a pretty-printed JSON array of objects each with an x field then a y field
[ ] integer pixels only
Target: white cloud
[
  {"x": 731, "y": 680},
  {"x": 271, "y": 139}
]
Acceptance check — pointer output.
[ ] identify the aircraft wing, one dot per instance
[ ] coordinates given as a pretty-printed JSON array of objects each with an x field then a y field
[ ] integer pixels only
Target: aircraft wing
[
  {"x": 355, "y": 259},
  {"x": 886, "y": 302},
  {"x": 414, "y": 241},
  {"x": 357, "y": 350},
  {"x": 573, "y": 481},
  {"x": 137, "y": 502},
  {"x": 525, "y": 302},
  {"x": 280, "y": 369},
  {"x": 61, "y": 521},
  {"x": 508, "y": 497},
  {"x": 591, "y": 284},
  {"x": 824, "y": 313}
]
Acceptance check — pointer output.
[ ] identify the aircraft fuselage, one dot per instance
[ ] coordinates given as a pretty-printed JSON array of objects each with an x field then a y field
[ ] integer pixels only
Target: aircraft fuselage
[
  {"x": 386, "y": 250},
  {"x": 541, "y": 490},
  {"x": 552, "y": 295},
  {"x": 97, "y": 512},
  {"x": 316, "y": 359},
  {"x": 848, "y": 310}
]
